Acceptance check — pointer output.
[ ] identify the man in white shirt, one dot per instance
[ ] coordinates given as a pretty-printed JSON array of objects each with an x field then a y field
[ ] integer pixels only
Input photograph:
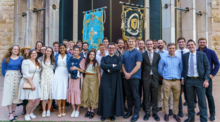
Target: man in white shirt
[
  {"x": 105, "y": 42},
  {"x": 100, "y": 55},
  {"x": 179, "y": 53}
]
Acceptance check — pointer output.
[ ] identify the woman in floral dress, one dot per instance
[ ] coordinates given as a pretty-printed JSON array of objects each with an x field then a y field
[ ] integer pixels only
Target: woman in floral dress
[{"x": 47, "y": 74}]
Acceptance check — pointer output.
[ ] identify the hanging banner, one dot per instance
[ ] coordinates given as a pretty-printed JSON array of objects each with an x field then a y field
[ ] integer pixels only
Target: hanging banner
[
  {"x": 93, "y": 28},
  {"x": 132, "y": 21}
]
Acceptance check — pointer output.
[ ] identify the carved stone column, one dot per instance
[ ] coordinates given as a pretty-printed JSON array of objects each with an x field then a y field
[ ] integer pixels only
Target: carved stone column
[
  {"x": 52, "y": 22},
  {"x": 75, "y": 21},
  {"x": 33, "y": 28},
  {"x": 189, "y": 19},
  {"x": 147, "y": 20},
  {"x": 20, "y": 7},
  {"x": 168, "y": 20},
  {"x": 202, "y": 20}
]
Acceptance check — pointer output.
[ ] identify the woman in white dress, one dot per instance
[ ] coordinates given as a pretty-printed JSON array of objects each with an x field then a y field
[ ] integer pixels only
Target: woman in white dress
[
  {"x": 31, "y": 69},
  {"x": 60, "y": 82},
  {"x": 47, "y": 74}
]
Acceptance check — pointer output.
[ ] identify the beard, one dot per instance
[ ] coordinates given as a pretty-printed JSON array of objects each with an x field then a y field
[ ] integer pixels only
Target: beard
[{"x": 160, "y": 47}]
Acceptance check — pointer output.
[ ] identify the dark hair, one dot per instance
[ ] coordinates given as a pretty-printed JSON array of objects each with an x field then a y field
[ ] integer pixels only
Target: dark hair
[
  {"x": 9, "y": 53},
  {"x": 120, "y": 39},
  {"x": 56, "y": 43},
  {"x": 37, "y": 43},
  {"x": 165, "y": 42},
  {"x": 181, "y": 38},
  {"x": 85, "y": 43},
  {"x": 36, "y": 59},
  {"x": 79, "y": 41},
  {"x": 140, "y": 41},
  {"x": 105, "y": 38},
  {"x": 62, "y": 45},
  {"x": 111, "y": 43},
  {"x": 88, "y": 60},
  {"x": 202, "y": 39},
  {"x": 52, "y": 61},
  {"x": 190, "y": 40},
  {"x": 75, "y": 47},
  {"x": 155, "y": 40}
]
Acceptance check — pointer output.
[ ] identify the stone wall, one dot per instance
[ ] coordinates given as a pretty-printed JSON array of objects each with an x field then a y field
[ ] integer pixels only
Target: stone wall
[
  {"x": 6, "y": 26},
  {"x": 216, "y": 27}
]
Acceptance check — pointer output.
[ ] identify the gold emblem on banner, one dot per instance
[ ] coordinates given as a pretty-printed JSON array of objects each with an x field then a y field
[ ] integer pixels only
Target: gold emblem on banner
[{"x": 134, "y": 23}]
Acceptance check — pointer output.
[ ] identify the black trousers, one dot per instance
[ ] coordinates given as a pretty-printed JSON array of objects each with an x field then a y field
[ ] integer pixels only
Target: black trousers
[
  {"x": 140, "y": 91},
  {"x": 150, "y": 92},
  {"x": 132, "y": 92},
  {"x": 123, "y": 89},
  {"x": 210, "y": 98},
  {"x": 196, "y": 85}
]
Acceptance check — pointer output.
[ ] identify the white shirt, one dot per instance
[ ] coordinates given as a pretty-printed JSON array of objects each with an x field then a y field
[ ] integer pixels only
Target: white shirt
[
  {"x": 55, "y": 53},
  {"x": 178, "y": 52},
  {"x": 152, "y": 57},
  {"x": 99, "y": 58},
  {"x": 195, "y": 65}
]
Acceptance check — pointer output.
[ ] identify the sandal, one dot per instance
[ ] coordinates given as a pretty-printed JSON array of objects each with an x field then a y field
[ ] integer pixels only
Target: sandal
[
  {"x": 59, "y": 115},
  {"x": 63, "y": 114},
  {"x": 15, "y": 117},
  {"x": 12, "y": 120}
]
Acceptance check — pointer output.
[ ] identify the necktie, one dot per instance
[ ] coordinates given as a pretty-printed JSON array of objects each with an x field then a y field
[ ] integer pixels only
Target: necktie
[
  {"x": 182, "y": 55},
  {"x": 150, "y": 58},
  {"x": 191, "y": 66}
]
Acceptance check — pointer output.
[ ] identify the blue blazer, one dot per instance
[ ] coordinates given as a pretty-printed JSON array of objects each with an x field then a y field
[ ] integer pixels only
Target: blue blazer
[
  {"x": 203, "y": 67},
  {"x": 67, "y": 59}
]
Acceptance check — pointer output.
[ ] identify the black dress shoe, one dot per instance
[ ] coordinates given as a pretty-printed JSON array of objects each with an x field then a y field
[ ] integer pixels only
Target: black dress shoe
[
  {"x": 170, "y": 112},
  {"x": 91, "y": 115},
  {"x": 156, "y": 117},
  {"x": 177, "y": 118},
  {"x": 135, "y": 118},
  {"x": 127, "y": 115},
  {"x": 102, "y": 119},
  {"x": 185, "y": 104},
  {"x": 112, "y": 118},
  {"x": 146, "y": 116},
  {"x": 87, "y": 114},
  {"x": 180, "y": 114},
  {"x": 190, "y": 120},
  {"x": 159, "y": 109},
  {"x": 198, "y": 114},
  {"x": 166, "y": 117}
]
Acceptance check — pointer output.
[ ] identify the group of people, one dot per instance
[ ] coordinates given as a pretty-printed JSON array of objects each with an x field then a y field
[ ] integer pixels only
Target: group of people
[{"x": 107, "y": 79}]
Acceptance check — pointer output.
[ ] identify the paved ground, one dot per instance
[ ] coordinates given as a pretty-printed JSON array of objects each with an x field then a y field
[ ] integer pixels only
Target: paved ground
[{"x": 4, "y": 111}]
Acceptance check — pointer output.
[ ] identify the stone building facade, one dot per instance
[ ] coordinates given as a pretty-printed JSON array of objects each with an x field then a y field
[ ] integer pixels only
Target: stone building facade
[{"x": 44, "y": 25}]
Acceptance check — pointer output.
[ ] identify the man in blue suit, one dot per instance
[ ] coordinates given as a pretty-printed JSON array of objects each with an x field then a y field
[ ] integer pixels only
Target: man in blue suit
[{"x": 195, "y": 76}]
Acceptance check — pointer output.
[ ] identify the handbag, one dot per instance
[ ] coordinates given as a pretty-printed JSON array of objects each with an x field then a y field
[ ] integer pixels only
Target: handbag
[{"x": 27, "y": 85}]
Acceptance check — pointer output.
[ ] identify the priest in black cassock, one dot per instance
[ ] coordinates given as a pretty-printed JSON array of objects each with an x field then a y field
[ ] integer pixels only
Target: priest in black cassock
[{"x": 110, "y": 93}]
